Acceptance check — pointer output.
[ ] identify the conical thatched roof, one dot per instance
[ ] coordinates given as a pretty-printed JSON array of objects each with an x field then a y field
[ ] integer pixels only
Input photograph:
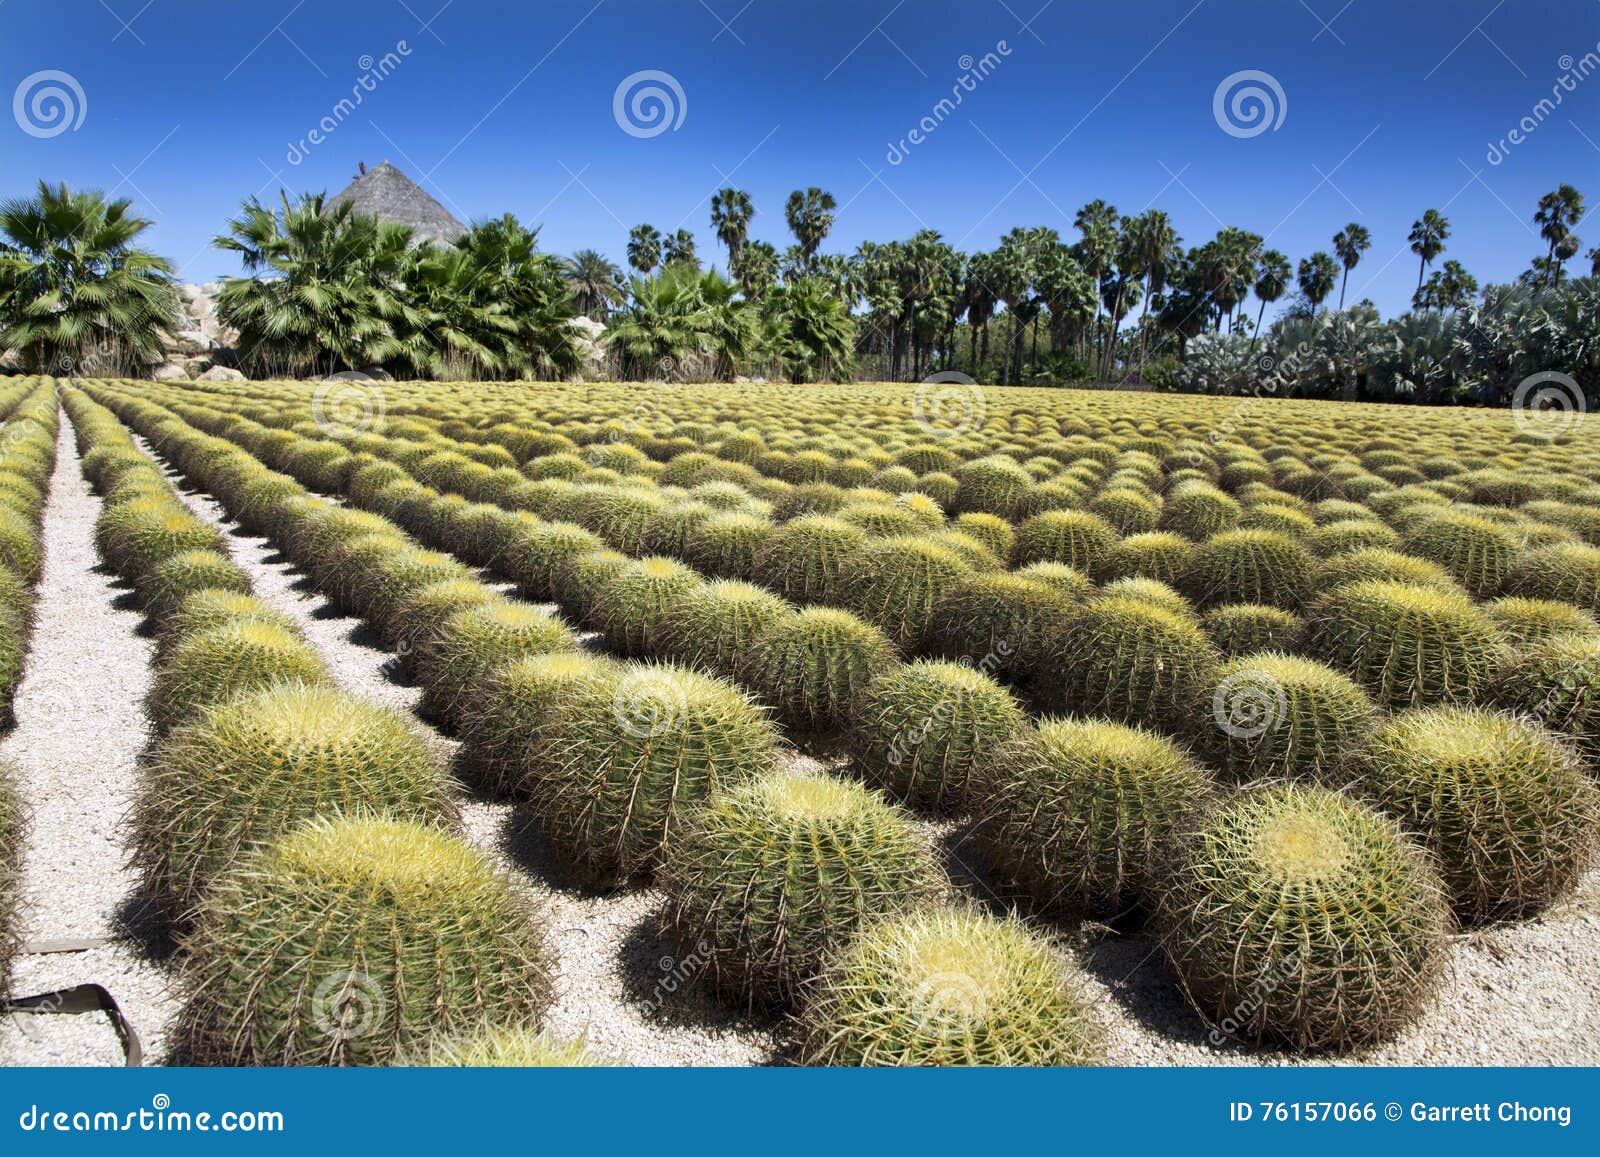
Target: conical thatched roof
[{"x": 390, "y": 195}]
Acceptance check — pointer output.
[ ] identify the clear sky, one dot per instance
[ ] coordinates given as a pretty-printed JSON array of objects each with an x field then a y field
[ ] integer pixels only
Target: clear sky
[{"x": 1387, "y": 108}]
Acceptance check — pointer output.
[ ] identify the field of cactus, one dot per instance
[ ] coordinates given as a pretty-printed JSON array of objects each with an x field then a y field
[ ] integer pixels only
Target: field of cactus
[{"x": 487, "y": 724}]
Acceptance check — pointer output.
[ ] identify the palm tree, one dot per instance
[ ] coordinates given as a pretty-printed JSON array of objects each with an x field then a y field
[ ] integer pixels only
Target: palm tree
[
  {"x": 810, "y": 218},
  {"x": 1594, "y": 261},
  {"x": 727, "y": 325},
  {"x": 657, "y": 329},
  {"x": 1317, "y": 274},
  {"x": 1349, "y": 244},
  {"x": 595, "y": 282},
  {"x": 731, "y": 210},
  {"x": 644, "y": 248},
  {"x": 1159, "y": 248},
  {"x": 1097, "y": 222},
  {"x": 1272, "y": 281},
  {"x": 74, "y": 289},
  {"x": 756, "y": 269},
  {"x": 679, "y": 249},
  {"x": 1451, "y": 287},
  {"x": 1428, "y": 235},
  {"x": 811, "y": 331},
  {"x": 509, "y": 270},
  {"x": 1558, "y": 211}
]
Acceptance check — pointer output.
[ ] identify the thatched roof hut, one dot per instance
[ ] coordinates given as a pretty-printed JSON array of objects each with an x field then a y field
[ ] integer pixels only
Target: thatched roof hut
[{"x": 390, "y": 195}]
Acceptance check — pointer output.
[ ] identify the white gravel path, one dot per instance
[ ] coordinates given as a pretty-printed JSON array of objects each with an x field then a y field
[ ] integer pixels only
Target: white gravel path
[{"x": 80, "y": 729}]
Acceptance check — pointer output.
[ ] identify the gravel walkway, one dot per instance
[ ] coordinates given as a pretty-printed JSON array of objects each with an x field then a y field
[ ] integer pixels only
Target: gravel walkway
[{"x": 80, "y": 729}]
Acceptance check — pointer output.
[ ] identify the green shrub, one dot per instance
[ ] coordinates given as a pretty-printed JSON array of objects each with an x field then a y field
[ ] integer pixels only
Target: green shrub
[
  {"x": 813, "y": 667},
  {"x": 783, "y": 869},
  {"x": 1128, "y": 661},
  {"x": 1408, "y": 645},
  {"x": 948, "y": 986},
  {"x": 1298, "y": 916},
  {"x": 1505, "y": 807},
  {"x": 348, "y": 942},
  {"x": 1081, "y": 813},
  {"x": 213, "y": 666},
  {"x": 251, "y": 768},
  {"x": 630, "y": 758},
  {"x": 922, "y": 730}
]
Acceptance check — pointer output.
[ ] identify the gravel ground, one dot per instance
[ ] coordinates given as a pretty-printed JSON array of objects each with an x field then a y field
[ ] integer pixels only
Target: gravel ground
[
  {"x": 1521, "y": 994},
  {"x": 80, "y": 729}
]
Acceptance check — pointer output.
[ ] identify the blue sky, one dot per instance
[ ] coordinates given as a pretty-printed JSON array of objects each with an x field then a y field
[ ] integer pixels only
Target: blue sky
[{"x": 1387, "y": 109}]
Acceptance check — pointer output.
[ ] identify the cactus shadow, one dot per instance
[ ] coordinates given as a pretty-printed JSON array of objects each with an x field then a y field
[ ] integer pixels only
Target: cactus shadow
[
  {"x": 1133, "y": 972},
  {"x": 669, "y": 988},
  {"x": 138, "y": 921},
  {"x": 525, "y": 845}
]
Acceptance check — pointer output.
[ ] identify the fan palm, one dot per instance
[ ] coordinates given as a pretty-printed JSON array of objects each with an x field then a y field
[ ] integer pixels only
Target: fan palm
[
  {"x": 595, "y": 283},
  {"x": 658, "y": 329},
  {"x": 1428, "y": 235},
  {"x": 74, "y": 289},
  {"x": 1348, "y": 245},
  {"x": 1557, "y": 213},
  {"x": 1316, "y": 275},
  {"x": 1272, "y": 281},
  {"x": 731, "y": 210},
  {"x": 644, "y": 248},
  {"x": 679, "y": 249},
  {"x": 810, "y": 218},
  {"x": 812, "y": 332}
]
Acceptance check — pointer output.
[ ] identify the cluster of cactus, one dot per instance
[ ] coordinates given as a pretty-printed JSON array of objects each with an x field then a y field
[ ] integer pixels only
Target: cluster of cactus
[
  {"x": 1292, "y": 914},
  {"x": 27, "y": 457},
  {"x": 1077, "y": 538},
  {"x": 814, "y": 666},
  {"x": 1568, "y": 572},
  {"x": 209, "y": 667},
  {"x": 12, "y": 833},
  {"x": 1508, "y": 809},
  {"x": 1080, "y": 813},
  {"x": 1479, "y": 552},
  {"x": 473, "y": 643},
  {"x": 894, "y": 584},
  {"x": 354, "y": 941},
  {"x": 630, "y": 756},
  {"x": 937, "y": 985},
  {"x": 781, "y": 870},
  {"x": 1249, "y": 566},
  {"x": 1556, "y": 681},
  {"x": 802, "y": 558},
  {"x": 923, "y": 730},
  {"x": 1245, "y": 628},
  {"x": 1275, "y": 715},
  {"x": 999, "y": 622},
  {"x": 718, "y": 624},
  {"x": 248, "y": 769}
]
